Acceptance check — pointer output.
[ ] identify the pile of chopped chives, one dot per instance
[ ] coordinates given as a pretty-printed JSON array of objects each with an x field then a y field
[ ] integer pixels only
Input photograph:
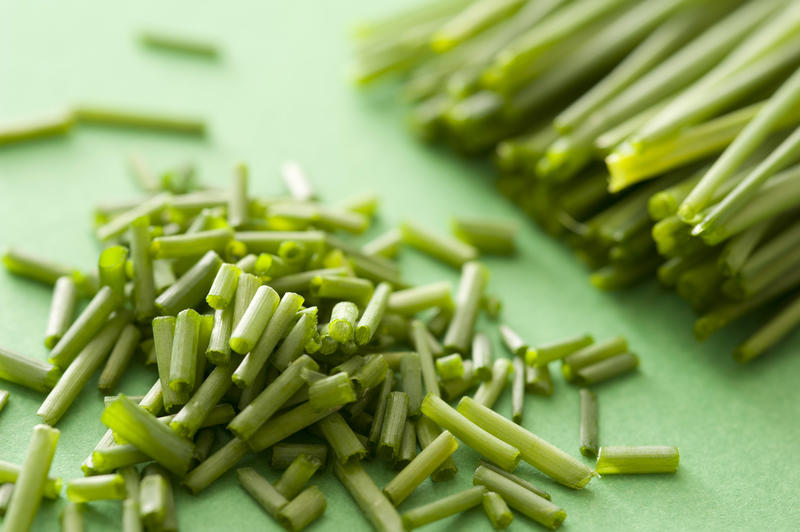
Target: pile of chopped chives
[
  {"x": 658, "y": 138},
  {"x": 254, "y": 316}
]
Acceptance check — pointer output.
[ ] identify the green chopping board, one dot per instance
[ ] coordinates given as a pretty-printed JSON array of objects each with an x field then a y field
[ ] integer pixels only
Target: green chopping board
[{"x": 280, "y": 91}]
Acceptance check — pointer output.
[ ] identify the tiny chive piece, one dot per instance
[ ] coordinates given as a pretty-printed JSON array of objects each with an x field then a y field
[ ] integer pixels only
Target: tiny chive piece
[
  {"x": 341, "y": 438},
  {"x": 482, "y": 357},
  {"x": 72, "y": 518},
  {"x": 487, "y": 445},
  {"x": 245, "y": 291},
  {"x": 223, "y": 288},
  {"x": 28, "y": 372},
  {"x": 487, "y": 235},
  {"x": 302, "y": 510},
  {"x": 343, "y": 318},
  {"x": 111, "y": 268},
  {"x": 446, "y": 249},
  {"x": 62, "y": 309},
  {"x": 30, "y": 485},
  {"x": 219, "y": 350},
  {"x": 283, "y": 454},
  {"x": 84, "y": 328},
  {"x": 178, "y": 43},
  {"x": 373, "y": 503},
  {"x": 488, "y": 392},
  {"x": 408, "y": 446},
  {"x": 470, "y": 290},
  {"x": 183, "y": 361},
  {"x": 524, "y": 501},
  {"x": 413, "y": 300},
  {"x": 373, "y": 314},
  {"x": 456, "y": 503},
  {"x": 140, "y": 120},
  {"x": 332, "y": 391},
  {"x": 427, "y": 432},
  {"x": 420, "y": 468},
  {"x": 419, "y": 334},
  {"x": 393, "y": 424},
  {"x": 450, "y": 367},
  {"x": 514, "y": 478},
  {"x": 120, "y": 358},
  {"x": 518, "y": 391},
  {"x": 538, "y": 380},
  {"x": 192, "y": 286},
  {"x": 215, "y": 465},
  {"x": 261, "y": 490},
  {"x": 542, "y": 455},
  {"x": 39, "y": 269},
  {"x": 149, "y": 435},
  {"x": 296, "y": 181},
  {"x": 386, "y": 245},
  {"x": 513, "y": 341},
  {"x": 295, "y": 341},
  {"x": 254, "y": 320},
  {"x": 144, "y": 288},
  {"x": 497, "y": 510},
  {"x": 237, "y": 204},
  {"x": 96, "y": 488},
  {"x": 591, "y": 355},
  {"x": 543, "y": 355},
  {"x": 297, "y": 475},
  {"x": 642, "y": 459},
  {"x": 337, "y": 287},
  {"x": 607, "y": 369},
  {"x": 40, "y": 127},
  {"x": 588, "y": 423},
  {"x": 153, "y": 491},
  {"x": 411, "y": 381}
]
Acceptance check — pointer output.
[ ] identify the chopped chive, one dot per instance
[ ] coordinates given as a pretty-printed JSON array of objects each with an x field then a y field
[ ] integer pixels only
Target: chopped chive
[
  {"x": 223, "y": 288},
  {"x": 219, "y": 350},
  {"x": 153, "y": 401},
  {"x": 421, "y": 345},
  {"x": 164, "y": 339},
  {"x": 203, "y": 443},
  {"x": 261, "y": 490},
  {"x": 332, "y": 391},
  {"x": 643, "y": 459},
  {"x": 420, "y": 468},
  {"x": 120, "y": 358},
  {"x": 245, "y": 291},
  {"x": 178, "y": 43},
  {"x": 545, "y": 457},
  {"x": 514, "y": 478},
  {"x": 163, "y": 277},
  {"x": 72, "y": 518},
  {"x": 343, "y": 319},
  {"x": 488, "y": 392},
  {"x": 408, "y": 446},
  {"x": 373, "y": 314},
  {"x": 450, "y": 367},
  {"x": 143, "y": 211},
  {"x": 607, "y": 369},
  {"x": 518, "y": 390},
  {"x": 544, "y": 354},
  {"x": 192, "y": 286},
  {"x": 254, "y": 320},
  {"x": 183, "y": 360},
  {"x": 413, "y": 300},
  {"x": 438, "y": 324},
  {"x": 111, "y": 268},
  {"x": 513, "y": 341},
  {"x": 30, "y": 485},
  {"x": 215, "y": 465},
  {"x": 589, "y": 440},
  {"x": 497, "y": 510},
  {"x": 456, "y": 503},
  {"x": 335, "y": 287},
  {"x": 482, "y": 357},
  {"x": 284, "y": 425},
  {"x": 40, "y": 127},
  {"x": 271, "y": 241},
  {"x": 492, "y": 305},
  {"x": 524, "y": 501},
  {"x": 484, "y": 443},
  {"x": 437, "y": 349},
  {"x": 380, "y": 410},
  {"x": 370, "y": 374},
  {"x": 392, "y": 425},
  {"x": 39, "y": 269},
  {"x": 411, "y": 381},
  {"x": 591, "y": 355},
  {"x": 9, "y": 473},
  {"x": 84, "y": 328},
  {"x": 276, "y": 328},
  {"x": 427, "y": 431},
  {"x": 295, "y": 341},
  {"x": 3, "y": 399},
  {"x": 386, "y": 245},
  {"x": 140, "y": 120},
  {"x": 296, "y": 181},
  {"x": 250, "y": 392},
  {"x": 538, "y": 380},
  {"x": 470, "y": 290},
  {"x": 96, "y": 488},
  {"x": 62, "y": 309},
  {"x": 131, "y": 520},
  {"x": 149, "y": 435},
  {"x": 153, "y": 491},
  {"x": 81, "y": 369},
  {"x": 238, "y": 204},
  {"x": 454, "y": 388},
  {"x": 247, "y": 264},
  {"x": 446, "y": 249},
  {"x": 487, "y": 235},
  {"x": 377, "y": 272},
  {"x": 28, "y": 372},
  {"x": 302, "y": 510},
  {"x": 297, "y": 475},
  {"x": 283, "y": 454},
  {"x": 770, "y": 333},
  {"x": 341, "y": 438},
  {"x": 110, "y": 458},
  {"x": 373, "y": 503}
]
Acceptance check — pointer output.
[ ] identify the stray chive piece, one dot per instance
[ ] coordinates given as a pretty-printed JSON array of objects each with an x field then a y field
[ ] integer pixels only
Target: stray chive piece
[
  {"x": 26, "y": 371},
  {"x": 370, "y": 320},
  {"x": 72, "y": 518},
  {"x": 420, "y": 468},
  {"x": 470, "y": 291},
  {"x": 183, "y": 361},
  {"x": 9, "y": 473},
  {"x": 513, "y": 342},
  {"x": 343, "y": 319},
  {"x": 544, "y": 354},
  {"x": 96, "y": 488},
  {"x": 380, "y": 410},
  {"x": 192, "y": 286},
  {"x": 448, "y": 250},
  {"x": 373, "y": 503},
  {"x": 518, "y": 391},
  {"x": 486, "y": 235},
  {"x": 393, "y": 424},
  {"x": 419, "y": 335},
  {"x": 254, "y": 320},
  {"x": 488, "y": 392},
  {"x": 332, "y": 391},
  {"x": 341, "y": 438},
  {"x": 146, "y": 433},
  {"x": 223, "y": 289},
  {"x": 302, "y": 510},
  {"x": 497, "y": 510},
  {"x": 62, "y": 309},
  {"x": 542, "y": 455},
  {"x": 450, "y": 367},
  {"x": 538, "y": 380},
  {"x": 107, "y": 116},
  {"x": 296, "y": 181},
  {"x": 487, "y": 445},
  {"x": 144, "y": 287},
  {"x": 297, "y": 475},
  {"x": 589, "y": 426},
  {"x": 607, "y": 369},
  {"x": 30, "y": 485},
  {"x": 179, "y": 43},
  {"x": 482, "y": 357},
  {"x": 283, "y": 454},
  {"x": 414, "y": 300},
  {"x": 120, "y": 358},
  {"x": 456, "y": 503},
  {"x": 523, "y": 500},
  {"x": 643, "y": 459},
  {"x": 386, "y": 245},
  {"x": 514, "y": 478},
  {"x": 591, "y": 355},
  {"x": 36, "y": 128},
  {"x": 111, "y": 268},
  {"x": 261, "y": 490}
]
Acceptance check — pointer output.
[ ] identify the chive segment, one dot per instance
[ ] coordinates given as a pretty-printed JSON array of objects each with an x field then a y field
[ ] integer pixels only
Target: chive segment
[
  {"x": 373, "y": 503},
  {"x": 497, "y": 510},
  {"x": 84, "y": 327},
  {"x": 448, "y": 250},
  {"x": 254, "y": 320},
  {"x": 456, "y": 503},
  {"x": 62, "y": 308},
  {"x": 297, "y": 475},
  {"x": 589, "y": 427},
  {"x": 421, "y": 467},
  {"x": 642, "y": 459},
  {"x": 96, "y": 488},
  {"x": 470, "y": 291},
  {"x": 28, "y": 372},
  {"x": 302, "y": 510}
]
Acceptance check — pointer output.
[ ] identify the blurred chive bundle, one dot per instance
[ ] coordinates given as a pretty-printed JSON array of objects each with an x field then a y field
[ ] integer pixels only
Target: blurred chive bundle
[{"x": 657, "y": 138}]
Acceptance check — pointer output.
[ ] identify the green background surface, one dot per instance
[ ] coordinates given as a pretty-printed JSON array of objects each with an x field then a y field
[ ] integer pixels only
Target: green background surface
[{"x": 281, "y": 92}]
